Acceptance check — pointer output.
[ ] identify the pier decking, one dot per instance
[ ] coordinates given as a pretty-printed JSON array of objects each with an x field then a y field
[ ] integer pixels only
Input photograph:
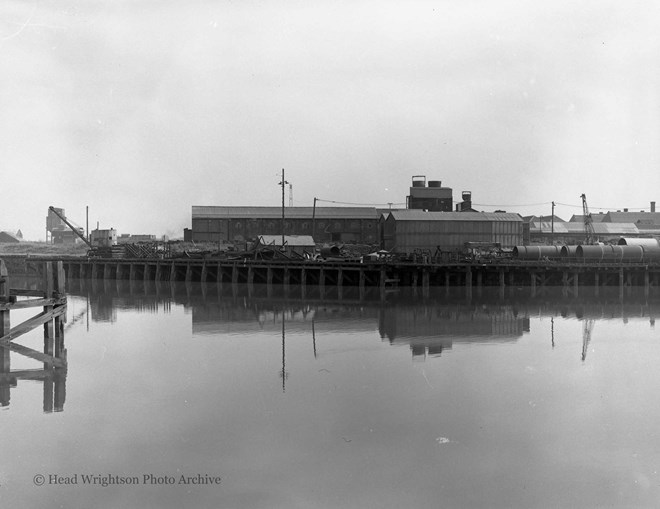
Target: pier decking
[{"x": 570, "y": 276}]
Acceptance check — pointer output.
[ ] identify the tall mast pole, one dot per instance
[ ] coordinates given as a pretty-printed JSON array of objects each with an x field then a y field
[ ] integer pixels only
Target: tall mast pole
[
  {"x": 314, "y": 220},
  {"x": 552, "y": 237},
  {"x": 283, "y": 183}
]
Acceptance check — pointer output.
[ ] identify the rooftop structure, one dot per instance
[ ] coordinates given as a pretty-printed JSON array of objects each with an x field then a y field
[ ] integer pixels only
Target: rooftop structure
[{"x": 431, "y": 197}]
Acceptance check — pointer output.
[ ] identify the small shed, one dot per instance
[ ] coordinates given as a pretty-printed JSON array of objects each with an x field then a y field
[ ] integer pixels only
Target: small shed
[{"x": 298, "y": 244}]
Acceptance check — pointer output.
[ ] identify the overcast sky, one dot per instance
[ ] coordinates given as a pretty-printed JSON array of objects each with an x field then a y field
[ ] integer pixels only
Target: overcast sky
[{"x": 141, "y": 109}]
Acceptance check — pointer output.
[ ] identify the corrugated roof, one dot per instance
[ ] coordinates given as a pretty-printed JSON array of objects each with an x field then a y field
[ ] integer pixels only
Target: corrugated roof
[
  {"x": 649, "y": 218},
  {"x": 595, "y": 218},
  {"x": 578, "y": 228},
  {"x": 218, "y": 212},
  {"x": 422, "y": 215}
]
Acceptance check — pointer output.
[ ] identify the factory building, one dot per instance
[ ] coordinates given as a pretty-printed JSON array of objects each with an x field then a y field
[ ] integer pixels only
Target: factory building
[
  {"x": 406, "y": 231},
  {"x": 432, "y": 197},
  {"x": 325, "y": 224}
]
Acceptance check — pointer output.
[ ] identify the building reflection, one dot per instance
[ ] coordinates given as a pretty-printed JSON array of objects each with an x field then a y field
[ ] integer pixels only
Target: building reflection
[{"x": 430, "y": 325}]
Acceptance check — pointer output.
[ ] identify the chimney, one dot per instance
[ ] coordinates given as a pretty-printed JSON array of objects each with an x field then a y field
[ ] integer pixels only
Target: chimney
[{"x": 652, "y": 206}]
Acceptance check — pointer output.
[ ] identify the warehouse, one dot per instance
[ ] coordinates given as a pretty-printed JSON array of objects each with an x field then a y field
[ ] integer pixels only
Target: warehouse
[
  {"x": 325, "y": 224},
  {"x": 572, "y": 233},
  {"x": 407, "y": 231}
]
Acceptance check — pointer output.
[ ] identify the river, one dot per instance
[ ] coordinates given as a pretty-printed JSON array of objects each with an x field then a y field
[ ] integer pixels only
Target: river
[{"x": 195, "y": 396}]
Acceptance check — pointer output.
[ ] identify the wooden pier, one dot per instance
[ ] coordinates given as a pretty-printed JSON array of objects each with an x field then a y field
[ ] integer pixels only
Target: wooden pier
[
  {"x": 53, "y": 301},
  {"x": 571, "y": 276}
]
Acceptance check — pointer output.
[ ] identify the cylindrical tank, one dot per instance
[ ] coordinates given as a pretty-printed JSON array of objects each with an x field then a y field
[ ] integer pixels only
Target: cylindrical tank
[
  {"x": 628, "y": 241},
  {"x": 651, "y": 254},
  {"x": 435, "y": 183},
  {"x": 569, "y": 251},
  {"x": 418, "y": 183},
  {"x": 330, "y": 251},
  {"x": 536, "y": 252},
  {"x": 607, "y": 253}
]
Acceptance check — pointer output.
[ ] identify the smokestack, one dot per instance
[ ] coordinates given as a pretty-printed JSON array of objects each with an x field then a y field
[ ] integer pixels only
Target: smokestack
[{"x": 652, "y": 206}]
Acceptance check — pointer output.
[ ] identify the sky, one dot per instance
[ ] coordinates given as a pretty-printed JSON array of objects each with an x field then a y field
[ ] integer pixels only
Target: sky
[{"x": 141, "y": 109}]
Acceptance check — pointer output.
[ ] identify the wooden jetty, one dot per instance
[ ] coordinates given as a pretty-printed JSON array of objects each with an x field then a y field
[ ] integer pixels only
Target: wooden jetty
[
  {"x": 52, "y": 300},
  {"x": 386, "y": 276}
]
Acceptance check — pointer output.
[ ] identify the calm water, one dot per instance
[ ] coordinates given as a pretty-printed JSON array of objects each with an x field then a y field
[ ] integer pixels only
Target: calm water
[{"x": 488, "y": 402}]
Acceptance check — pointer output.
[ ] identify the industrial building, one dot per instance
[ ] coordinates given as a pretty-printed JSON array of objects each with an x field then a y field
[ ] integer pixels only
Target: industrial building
[
  {"x": 325, "y": 224},
  {"x": 571, "y": 233},
  {"x": 407, "y": 231},
  {"x": 432, "y": 197}
]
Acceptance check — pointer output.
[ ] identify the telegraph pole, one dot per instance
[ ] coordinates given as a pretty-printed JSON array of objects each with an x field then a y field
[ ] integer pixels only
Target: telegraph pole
[
  {"x": 314, "y": 219},
  {"x": 283, "y": 183},
  {"x": 552, "y": 237}
]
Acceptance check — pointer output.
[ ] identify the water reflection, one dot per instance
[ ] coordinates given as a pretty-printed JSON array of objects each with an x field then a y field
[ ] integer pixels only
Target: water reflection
[
  {"x": 308, "y": 401},
  {"x": 430, "y": 325}
]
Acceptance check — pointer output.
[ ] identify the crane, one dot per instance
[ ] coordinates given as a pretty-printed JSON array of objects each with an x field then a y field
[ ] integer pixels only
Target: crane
[
  {"x": 75, "y": 230},
  {"x": 589, "y": 233}
]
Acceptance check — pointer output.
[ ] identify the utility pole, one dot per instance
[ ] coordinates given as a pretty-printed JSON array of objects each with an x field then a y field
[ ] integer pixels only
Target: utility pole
[
  {"x": 283, "y": 183},
  {"x": 552, "y": 218},
  {"x": 314, "y": 219}
]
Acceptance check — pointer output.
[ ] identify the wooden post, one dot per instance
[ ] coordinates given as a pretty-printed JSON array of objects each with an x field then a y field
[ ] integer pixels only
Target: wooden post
[
  {"x": 286, "y": 278},
  {"x": 382, "y": 282},
  {"x": 597, "y": 283},
  {"x": 5, "y": 327},
  {"x": 426, "y": 278},
  {"x": 533, "y": 283},
  {"x": 204, "y": 274},
  {"x": 647, "y": 282},
  {"x": 502, "y": 283},
  {"x": 303, "y": 282},
  {"x": 218, "y": 277},
  {"x": 188, "y": 273},
  {"x": 468, "y": 283},
  {"x": 362, "y": 283}
]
